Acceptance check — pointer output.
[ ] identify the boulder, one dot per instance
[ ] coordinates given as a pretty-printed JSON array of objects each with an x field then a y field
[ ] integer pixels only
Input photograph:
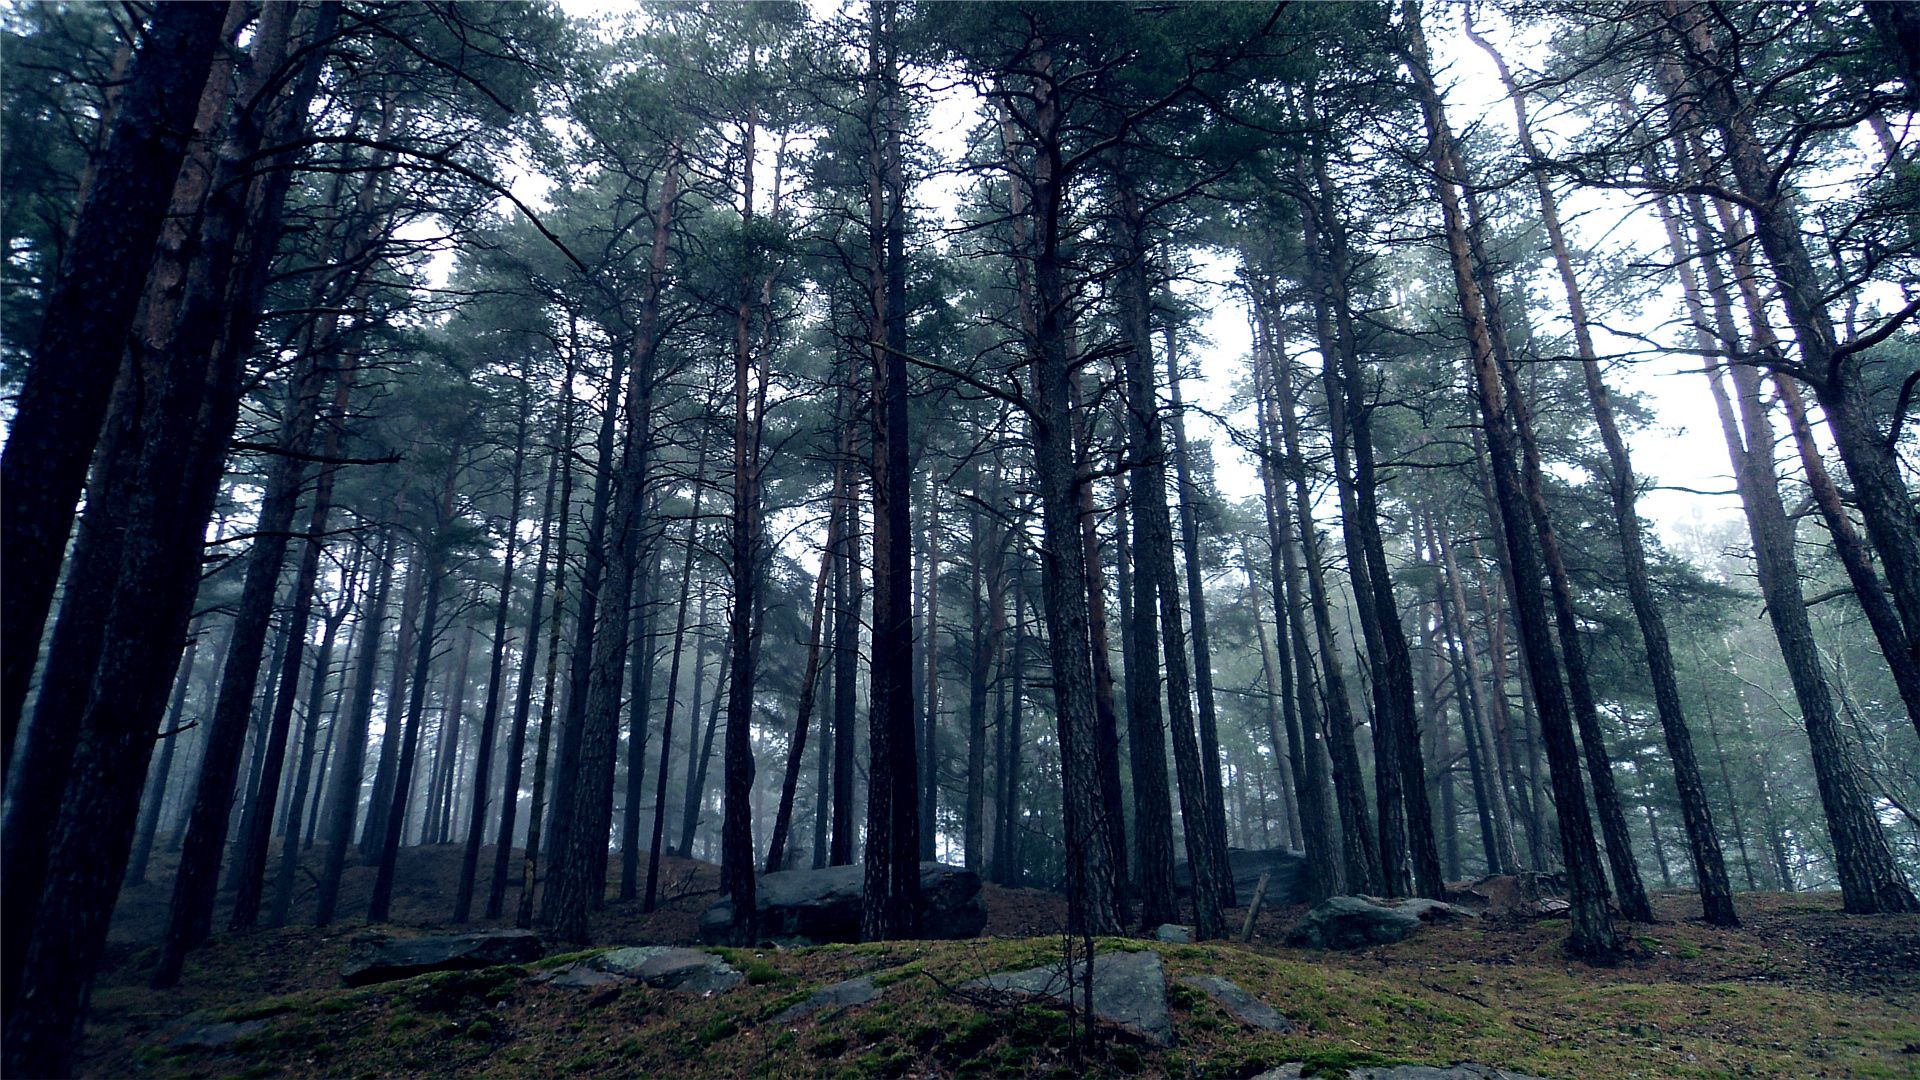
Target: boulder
[
  {"x": 1466, "y": 1070},
  {"x": 1287, "y": 885},
  {"x": 1354, "y": 922},
  {"x": 1239, "y": 1004},
  {"x": 840, "y": 995},
  {"x": 218, "y": 1036},
  {"x": 389, "y": 959},
  {"x": 663, "y": 967},
  {"x": 821, "y": 906},
  {"x": 1129, "y": 991},
  {"x": 1173, "y": 934}
]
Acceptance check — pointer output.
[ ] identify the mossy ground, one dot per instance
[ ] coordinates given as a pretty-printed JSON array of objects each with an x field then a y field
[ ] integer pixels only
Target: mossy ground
[{"x": 1802, "y": 990}]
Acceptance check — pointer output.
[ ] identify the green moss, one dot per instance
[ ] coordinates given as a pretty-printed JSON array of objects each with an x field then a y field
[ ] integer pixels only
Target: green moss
[
  {"x": 719, "y": 1028},
  {"x": 828, "y": 1046},
  {"x": 1334, "y": 1064},
  {"x": 480, "y": 1031}
]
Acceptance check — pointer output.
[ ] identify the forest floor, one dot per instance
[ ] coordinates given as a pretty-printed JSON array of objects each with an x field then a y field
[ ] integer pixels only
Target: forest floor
[{"x": 1801, "y": 989}]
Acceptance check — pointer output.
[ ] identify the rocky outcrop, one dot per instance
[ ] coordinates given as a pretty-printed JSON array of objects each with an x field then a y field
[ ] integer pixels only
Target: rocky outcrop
[
  {"x": 1287, "y": 885},
  {"x": 1462, "y": 1071},
  {"x": 388, "y": 959},
  {"x": 840, "y": 995},
  {"x": 1355, "y": 922},
  {"x": 821, "y": 906},
  {"x": 1239, "y": 1004},
  {"x": 663, "y": 967},
  {"x": 1129, "y": 991}
]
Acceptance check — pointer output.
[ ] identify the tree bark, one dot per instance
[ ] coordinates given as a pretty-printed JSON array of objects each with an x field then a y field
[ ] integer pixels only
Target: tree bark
[
  {"x": 57, "y": 417},
  {"x": 1592, "y": 931}
]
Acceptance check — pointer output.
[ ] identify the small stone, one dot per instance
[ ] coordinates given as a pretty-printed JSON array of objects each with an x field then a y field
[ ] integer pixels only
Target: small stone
[
  {"x": 846, "y": 994},
  {"x": 1241, "y": 1005},
  {"x": 1174, "y": 933}
]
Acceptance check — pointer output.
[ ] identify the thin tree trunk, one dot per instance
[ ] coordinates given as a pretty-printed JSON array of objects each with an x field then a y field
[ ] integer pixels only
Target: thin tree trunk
[
  {"x": 1709, "y": 865},
  {"x": 1592, "y": 931}
]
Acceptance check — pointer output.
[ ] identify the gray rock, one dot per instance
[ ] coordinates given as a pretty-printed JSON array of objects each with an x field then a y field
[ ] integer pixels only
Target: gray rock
[
  {"x": 389, "y": 959},
  {"x": 1241, "y": 1005},
  {"x": 578, "y": 976},
  {"x": 840, "y": 995},
  {"x": 1129, "y": 991},
  {"x": 217, "y": 1036},
  {"x": 1287, "y": 885},
  {"x": 663, "y": 967},
  {"x": 1354, "y": 922},
  {"x": 821, "y": 906},
  {"x": 1174, "y": 933},
  {"x": 1462, "y": 1071}
]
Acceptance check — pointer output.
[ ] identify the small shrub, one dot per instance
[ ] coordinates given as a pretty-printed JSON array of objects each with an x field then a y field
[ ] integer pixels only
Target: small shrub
[
  {"x": 715, "y": 1030},
  {"x": 480, "y": 1031},
  {"x": 828, "y": 1046}
]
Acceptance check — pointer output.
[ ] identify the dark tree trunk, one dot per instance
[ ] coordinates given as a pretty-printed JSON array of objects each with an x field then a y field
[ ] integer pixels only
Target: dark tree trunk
[
  {"x": 496, "y": 666},
  {"x": 584, "y": 804},
  {"x": 434, "y": 575},
  {"x": 1592, "y": 930},
  {"x": 1709, "y": 867},
  {"x": 1870, "y": 881},
  {"x": 1361, "y": 863},
  {"x": 350, "y": 740},
  {"x": 306, "y": 777},
  {"x": 57, "y": 418},
  {"x": 1197, "y": 606},
  {"x": 560, "y": 469},
  {"x": 930, "y": 685},
  {"x": 1405, "y": 819},
  {"x": 809, "y": 680},
  {"x": 846, "y": 673},
  {"x": 1153, "y": 563},
  {"x": 156, "y": 791},
  {"x": 157, "y": 490},
  {"x": 673, "y": 681},
  {"x": 890, "y": 907}
]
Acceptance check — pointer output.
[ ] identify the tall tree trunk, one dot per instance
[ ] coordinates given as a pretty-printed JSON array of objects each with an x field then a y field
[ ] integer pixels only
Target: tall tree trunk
[
  {"x": 434, "y": 574},
  {"x": 560, "y": 473},
  {"x": 350, "y": 739},
  {"x": 57, "y": 418},
  {"x": 673, "y": 679},
  {"x": 583, "y": 807},
  {"x": 496, "y": 665},
  {"x": 1592, "y": 932},
  {"x": 306, "y": 778},
  {"x": 1870, "y": 881},
  {"x": 846, "y": 669},
  {"x": 157, "y": 783},
  {"x": 1710, "y": 870},
  {"x": 1360, "y": 861},
  {"x": 890, "y": 906},
  {"x": 1153, "y": 563},
  {"x": 930, "y": 683},
  {"x": 1405, "y": 819},
  {"x": 809, "y": 680},
  {"x": 157, "y": 489},
  {"x": 1197, "y": 606}
]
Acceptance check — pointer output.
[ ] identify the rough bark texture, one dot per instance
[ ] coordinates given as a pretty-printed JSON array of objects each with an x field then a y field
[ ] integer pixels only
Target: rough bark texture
[{"x": 57, "y": 418}]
